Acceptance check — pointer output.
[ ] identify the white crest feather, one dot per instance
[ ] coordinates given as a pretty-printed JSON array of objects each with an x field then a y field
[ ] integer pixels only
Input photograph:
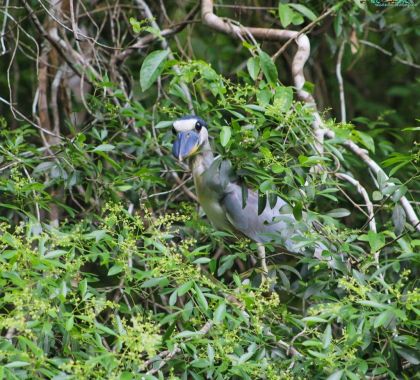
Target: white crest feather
[{"x": 185, "y": 125}]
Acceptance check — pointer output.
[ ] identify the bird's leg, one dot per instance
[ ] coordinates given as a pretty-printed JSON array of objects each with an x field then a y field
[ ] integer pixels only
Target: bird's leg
[{"x": 261, "y": 255}]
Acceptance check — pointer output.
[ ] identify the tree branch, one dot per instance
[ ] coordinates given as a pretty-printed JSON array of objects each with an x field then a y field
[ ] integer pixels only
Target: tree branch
[
  {"x": 340, "y": 82},
  {"x": 364, "y": 156}
]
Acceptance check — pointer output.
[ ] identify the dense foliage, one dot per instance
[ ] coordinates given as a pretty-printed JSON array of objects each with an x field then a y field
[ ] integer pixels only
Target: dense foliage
[{"x": 109, "y": 269}]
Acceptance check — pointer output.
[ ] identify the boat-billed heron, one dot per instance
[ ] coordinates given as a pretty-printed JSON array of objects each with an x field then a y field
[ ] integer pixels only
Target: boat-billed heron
[{"x": 221, "y": 196}]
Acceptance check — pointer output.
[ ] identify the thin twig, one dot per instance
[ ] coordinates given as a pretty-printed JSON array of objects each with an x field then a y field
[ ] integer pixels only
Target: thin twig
[
  {"x": 3, "y": 30},
  {"x": 388, "y": 53},
  {"x": 364, "y": 156},
  {"x": 168, "y": 355},
  {"x": 362, "y": 191},
  {"x": 305, "y": 29},
  {"x": 29, "y": 120}
]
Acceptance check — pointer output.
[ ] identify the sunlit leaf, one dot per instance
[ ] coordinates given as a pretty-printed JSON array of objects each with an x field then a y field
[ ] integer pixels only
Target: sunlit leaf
[
  {"x": 253, "y": 65},
  {"x": 304, "y": 10},
  {"x": 225, "y": 135},
  {"x": 151, "y": 68},
  {"x": 268, "y": 67},
  {"x": 285, "y": 14}
]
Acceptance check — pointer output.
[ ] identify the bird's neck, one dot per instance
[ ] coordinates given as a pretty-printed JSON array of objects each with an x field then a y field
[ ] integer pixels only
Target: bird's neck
[{"x": 202, "y": 161}]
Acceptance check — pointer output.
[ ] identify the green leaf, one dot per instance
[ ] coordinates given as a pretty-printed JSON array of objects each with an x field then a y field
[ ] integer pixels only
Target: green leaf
[
  {"x": 411, "y": 356},
  {"x": 377, "y": 195},
  {"x": 415, "y": 243},
  {"x": 374, "y": 304},
  {"x": 265, "y": 186},
  {"x": 253, "y": 66},
  {"x": 285, "y": 14},
  {"x": 297, "y": 210},
  {"x": 105, "y": 329},
  {"x": 115, "y": 269},
  {"x": 305, "y": 11},
  {"x": 327, "y": 337},
  {"x": 70, "y": 323},
  {"x": 364, "y": 139},
  {"x": 309, "y": 87},
  {"x": 268, "y": 67},
  {"x": 83, "y": 287},
  {"x": 201, "y": 299},
  {"x": 297, "y": 19},
  {"x": 225, "y": 135},
  {"x": 154, "y": 282},
  {"x": 397, "y": 168},
  {"x": 98, "y": 235},
  {"x": 173, "y": 297},
  {"x": 187, "y": 334},
  {"x": 314, "y": 319},
  {"x": 262, "y": 202},
  {"x": 277, "y": 168},
  {"x": 318, "y": 354},
  {"x": 336, "y": 375},
  {"x": 219, "y": 313},
  {"x": 264, "y": 97},
  {"x": 283, "y": 98},
  {"x": 202, "y": 260},
  {"x": 124, "y": 188},
  {"x": 32, "y": 346},
  {"x": 135, "y": 24},
  {"x": 164, "y": 124},
  {"x": 398, "y": 218},
  {"x": 44, "y": 166},
  {"x": 399, "y": 192},
  {"x": 383, "y": 319},
  {"x": 200, "y": 363},
  {"x": 54, "y": 254},
  {"x": 104, "y": 148},
  {"x": 126, "y": 376},
  {"x": 376, "y": 240},
  {"x": 339, "y": 213},
  {"x": 210, "y": 353},
  {"x": 17, "y": 364},
  {"x": 185, "y": 288},
  {"x": 352, "y": 376},
  {"x": 151, "y": 68}
]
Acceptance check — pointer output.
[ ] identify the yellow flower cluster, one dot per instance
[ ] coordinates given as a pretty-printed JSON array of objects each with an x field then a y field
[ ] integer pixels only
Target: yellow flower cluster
[{"x": 141, "y": 336}]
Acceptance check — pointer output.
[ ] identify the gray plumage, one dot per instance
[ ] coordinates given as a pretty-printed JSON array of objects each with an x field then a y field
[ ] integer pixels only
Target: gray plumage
[
  {"x": 274, "y": 224},
  {"x": 221, "y": 195}
]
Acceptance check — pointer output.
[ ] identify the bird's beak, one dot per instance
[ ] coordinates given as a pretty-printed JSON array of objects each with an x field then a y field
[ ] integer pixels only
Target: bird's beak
[{"x": 185, "y": 145}]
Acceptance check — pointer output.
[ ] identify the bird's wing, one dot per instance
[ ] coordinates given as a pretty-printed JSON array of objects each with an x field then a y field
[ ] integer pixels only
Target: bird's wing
[
  {"x": 218, "y": 176},
  {"x": 275, "y": 224}
]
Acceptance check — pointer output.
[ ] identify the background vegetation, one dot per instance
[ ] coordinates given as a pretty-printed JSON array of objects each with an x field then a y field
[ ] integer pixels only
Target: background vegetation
[{"x": 108, "y": 268}]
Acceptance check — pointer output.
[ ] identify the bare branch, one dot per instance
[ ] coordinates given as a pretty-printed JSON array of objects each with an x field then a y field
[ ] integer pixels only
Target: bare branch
[
  {"x": 3, "y": 30},
  {"x": 340, "y": 82},
  {"x": 364, "y": 156},
  {"x": 362, "y": 191},
  {"x": 386, "y": 52},
  {"x": 168, "y": 355}
]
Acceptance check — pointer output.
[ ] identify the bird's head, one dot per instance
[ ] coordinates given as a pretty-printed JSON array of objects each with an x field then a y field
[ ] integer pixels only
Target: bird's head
[{"x": 191, "y": 134}]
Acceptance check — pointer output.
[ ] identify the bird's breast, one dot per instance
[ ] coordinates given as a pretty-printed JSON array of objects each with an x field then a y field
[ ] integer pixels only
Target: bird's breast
[{"x": 212, "y": 206}]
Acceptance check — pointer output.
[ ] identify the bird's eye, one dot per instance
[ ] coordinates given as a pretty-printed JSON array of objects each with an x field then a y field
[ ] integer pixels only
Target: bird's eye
[
  {"x": 198, "y": 126},
  {"x": 174, "y": 131}
]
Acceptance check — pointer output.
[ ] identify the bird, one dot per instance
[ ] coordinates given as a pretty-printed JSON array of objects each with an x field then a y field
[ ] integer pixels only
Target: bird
[{"x": 222, "y": 197}]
